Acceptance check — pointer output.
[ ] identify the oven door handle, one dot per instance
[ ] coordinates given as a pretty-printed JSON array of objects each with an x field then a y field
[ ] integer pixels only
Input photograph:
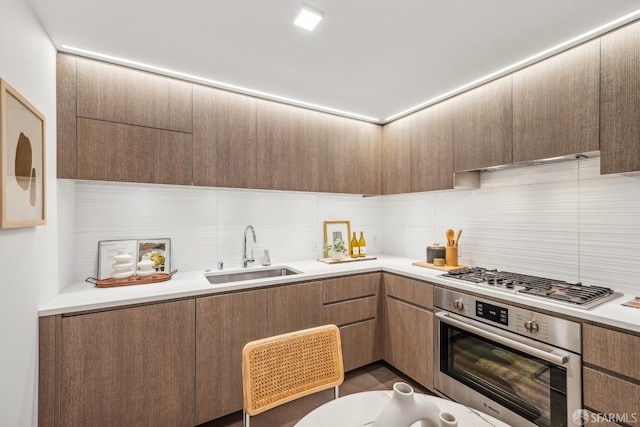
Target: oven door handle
[{"x": 554, "y": 356}]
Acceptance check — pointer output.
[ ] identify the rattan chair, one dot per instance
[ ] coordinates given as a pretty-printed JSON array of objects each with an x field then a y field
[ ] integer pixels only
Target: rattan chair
[{"x": 282, "y": 368}]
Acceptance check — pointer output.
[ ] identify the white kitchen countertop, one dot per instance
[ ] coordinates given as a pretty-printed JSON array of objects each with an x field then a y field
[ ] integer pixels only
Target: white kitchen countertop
[{"x": 84, "y": 296}]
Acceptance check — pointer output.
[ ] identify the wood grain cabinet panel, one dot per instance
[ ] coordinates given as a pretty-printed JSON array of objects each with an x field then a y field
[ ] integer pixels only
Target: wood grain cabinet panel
[
  {"x": 409, "y": 340},
  {"x": 396, "y": 157},
  {"x": 620, "y": 101},
  {"x": 66, "y": 115},
  {"x": 224, "y": 324},
  {"x": 333, "y": 153},
  {"x": 224, "y": 139},
  {"x": 118, "y": 152},
  {"x": 431, "y": 148},
  {"x": 610, "y": 350},
  {"x": 360, "y": 344},
  {"x": 608, "y": 395},
  {"x": 556, "y": 105},
  {"x": 294, "y": 307},
  {"x": 124, "y": 95},
  {"x": 129, "y": 367},
  {"x": 282, "y": 147},
  {"x": 347, "y": 288},
  {"x": 352, "y": 311},
  {"x": 482, "y": 133},
  {"x": 412, "y": 291},
  {"x": 47, "y": 335},
  {"x": 370, "y": 158}
]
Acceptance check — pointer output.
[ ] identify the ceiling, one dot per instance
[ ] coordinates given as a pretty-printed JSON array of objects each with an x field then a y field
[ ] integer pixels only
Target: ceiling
[{"x": 373, "y": 58}]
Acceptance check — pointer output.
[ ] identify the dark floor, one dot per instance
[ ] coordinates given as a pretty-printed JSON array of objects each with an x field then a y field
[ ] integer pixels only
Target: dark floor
[{"x": 377, "y": 376}]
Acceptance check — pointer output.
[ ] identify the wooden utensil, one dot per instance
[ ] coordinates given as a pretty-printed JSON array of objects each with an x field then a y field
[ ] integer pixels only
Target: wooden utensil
[
  {"x": 449, "y": 237},
  {"x": 455, "y": 242}
]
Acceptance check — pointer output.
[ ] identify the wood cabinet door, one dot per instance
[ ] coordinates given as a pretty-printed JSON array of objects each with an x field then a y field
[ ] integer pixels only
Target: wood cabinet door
[
  {"x": 66, "y": 115},
  {"x": 431, "y": 159},
  {"x": 124, "y": 95},
  {"x": 482, "y": 133},
  {"x": 556, "y": 105},
  {"x": 224, "y": 324},
  {"x": 110, "y": 151},
  {"x": 409, "y": 340},
  {"x": 282, "y": 147},
  {"x": 370, "y": 158},
  {"x": 396, "y": 156},
  {"x": 224, "y": 139},
  {"x": 129, "y": 367},
  {"x": 606, "y": 394},
  {"x": 333, "y": 153},
  {"x": 620, "y": 101},
  {"x": 295, "y": 307}
]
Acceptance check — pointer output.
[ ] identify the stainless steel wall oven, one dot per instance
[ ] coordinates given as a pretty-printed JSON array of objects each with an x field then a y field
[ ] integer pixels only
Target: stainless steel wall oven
[{"x": 517, "y": 365}]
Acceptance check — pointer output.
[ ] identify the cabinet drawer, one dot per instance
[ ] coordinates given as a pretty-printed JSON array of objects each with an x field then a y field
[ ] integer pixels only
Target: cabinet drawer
[
  {"x": 359, "y": 344},
  {"x": 611, "y": 350},
  {"x": 606, "y": 394},
  {"x": 122, "y": 95},
  {"x": 412, "y": 291},
  {"x": 117, "y": 152},
  {"x": 346, "y": 288},
  {"x": 346, "y": 312}
]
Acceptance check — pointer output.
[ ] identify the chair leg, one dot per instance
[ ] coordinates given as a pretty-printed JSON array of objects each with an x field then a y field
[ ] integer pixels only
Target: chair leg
[
  {"x": 245, "y": 418},
  {"x": 336, "y": 392}
]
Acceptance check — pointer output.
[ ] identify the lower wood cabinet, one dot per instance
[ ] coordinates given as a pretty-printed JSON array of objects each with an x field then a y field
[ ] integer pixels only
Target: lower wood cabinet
[
  {"x": 408, "y": 333},
  {"x": 224, "y": 324},
  {"x": 353, "y": 305},
  {"x": 611, "y": 375},
  {"x": 128, "y": 367},
  {"x": 294, "y": 307}
]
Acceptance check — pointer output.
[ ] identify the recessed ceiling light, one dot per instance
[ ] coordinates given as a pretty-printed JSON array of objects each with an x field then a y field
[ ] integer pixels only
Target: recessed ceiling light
[{"x": 308, "y": 18}]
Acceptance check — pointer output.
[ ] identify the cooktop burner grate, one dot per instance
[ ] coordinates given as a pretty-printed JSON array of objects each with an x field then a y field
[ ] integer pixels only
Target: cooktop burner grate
[{"x": 557, "y": 290}]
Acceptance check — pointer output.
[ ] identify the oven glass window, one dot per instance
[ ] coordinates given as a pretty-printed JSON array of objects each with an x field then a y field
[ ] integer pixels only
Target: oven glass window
[{"x": 531, "y": 387}]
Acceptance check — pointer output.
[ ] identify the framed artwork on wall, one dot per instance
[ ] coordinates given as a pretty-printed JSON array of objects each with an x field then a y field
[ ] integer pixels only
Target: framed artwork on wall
[
  {"x": 336, "y": 230},
  {"x": 22, "y": 161}
]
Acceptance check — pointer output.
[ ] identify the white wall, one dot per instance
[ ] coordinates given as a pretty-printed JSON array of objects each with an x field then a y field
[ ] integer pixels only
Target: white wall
[
  {"x": 562, "y": 221},
  {"x": 28, "y": 256},
  {"x": 206, "y": 225}
]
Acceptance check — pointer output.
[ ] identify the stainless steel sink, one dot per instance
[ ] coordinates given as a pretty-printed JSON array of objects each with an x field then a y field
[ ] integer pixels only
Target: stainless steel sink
[{"x": 219, "y": 277}]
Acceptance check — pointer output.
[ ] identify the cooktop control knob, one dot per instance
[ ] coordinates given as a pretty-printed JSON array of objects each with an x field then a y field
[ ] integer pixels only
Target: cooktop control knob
[
  {"x": 531, "y": 326},
  {"x": 458, "y": 304}
]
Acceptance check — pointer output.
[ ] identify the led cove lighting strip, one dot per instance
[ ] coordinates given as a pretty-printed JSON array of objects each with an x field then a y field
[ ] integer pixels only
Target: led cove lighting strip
[
  {"x": 531, "y": 59},
  {"x": 216, "y": 83}
]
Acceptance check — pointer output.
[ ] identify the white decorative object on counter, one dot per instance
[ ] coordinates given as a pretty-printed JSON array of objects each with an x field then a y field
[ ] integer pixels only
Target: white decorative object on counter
[
  {"x": 123, "y": 264},
  {"x": 145, "y": 267},
  {"x": 404, "y": 409}
]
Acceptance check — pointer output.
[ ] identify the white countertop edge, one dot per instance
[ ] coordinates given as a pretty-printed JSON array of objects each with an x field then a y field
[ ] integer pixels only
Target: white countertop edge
[{"x": 82, "y": 296}]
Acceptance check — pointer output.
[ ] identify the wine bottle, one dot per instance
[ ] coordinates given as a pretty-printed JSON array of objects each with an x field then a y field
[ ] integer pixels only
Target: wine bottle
[
  {"x": 362, "y": 246},
  {"x": 354, "y": 246}
]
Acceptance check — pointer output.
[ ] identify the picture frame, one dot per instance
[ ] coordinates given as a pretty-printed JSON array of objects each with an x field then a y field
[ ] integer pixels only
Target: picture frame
[
  {"x": 334, "y": 229},
  {"x": 158, "y": 249},
  {"x": 22, "y": 161}
]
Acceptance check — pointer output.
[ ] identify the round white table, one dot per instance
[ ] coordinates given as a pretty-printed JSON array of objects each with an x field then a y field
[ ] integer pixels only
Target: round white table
[{"x": 361, "y": 410}]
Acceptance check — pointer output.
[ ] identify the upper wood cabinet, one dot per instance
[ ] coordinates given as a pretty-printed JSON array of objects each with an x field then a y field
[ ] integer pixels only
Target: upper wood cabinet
[
  {"x": 396, "y": 156},
  {"x": 556, "y": 105},
  {"x": 370, "y": 158},
  {"x": 431, "y": 159},
  {"x": 123, "y": 95},
  {"x": 66, "y": 115},
  {"x": 333, "y": 153},
  {"x": 620, "y": 101},
  {"x": 282, "y": 147},
  {"x": 110, "y": 151},
  {"x": 482, "y": 134},
  {"x": 128, "y": 367},
  {"x": 224, "y": 139}
]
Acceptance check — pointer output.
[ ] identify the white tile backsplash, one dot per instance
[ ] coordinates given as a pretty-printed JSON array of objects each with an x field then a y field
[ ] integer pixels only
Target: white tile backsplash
[{"x": 561, "y": 220}]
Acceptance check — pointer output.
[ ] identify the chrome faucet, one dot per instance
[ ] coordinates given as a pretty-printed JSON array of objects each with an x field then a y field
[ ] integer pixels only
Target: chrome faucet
[{"x": 246, "y": 260}]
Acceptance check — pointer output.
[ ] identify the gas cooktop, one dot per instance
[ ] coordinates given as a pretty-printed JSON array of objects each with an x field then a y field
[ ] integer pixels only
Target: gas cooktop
[{"x": 574, "y": 294}]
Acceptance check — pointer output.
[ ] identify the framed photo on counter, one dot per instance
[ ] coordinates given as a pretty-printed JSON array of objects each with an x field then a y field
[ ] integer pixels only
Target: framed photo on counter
[{"x": 334, "y": 230}]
